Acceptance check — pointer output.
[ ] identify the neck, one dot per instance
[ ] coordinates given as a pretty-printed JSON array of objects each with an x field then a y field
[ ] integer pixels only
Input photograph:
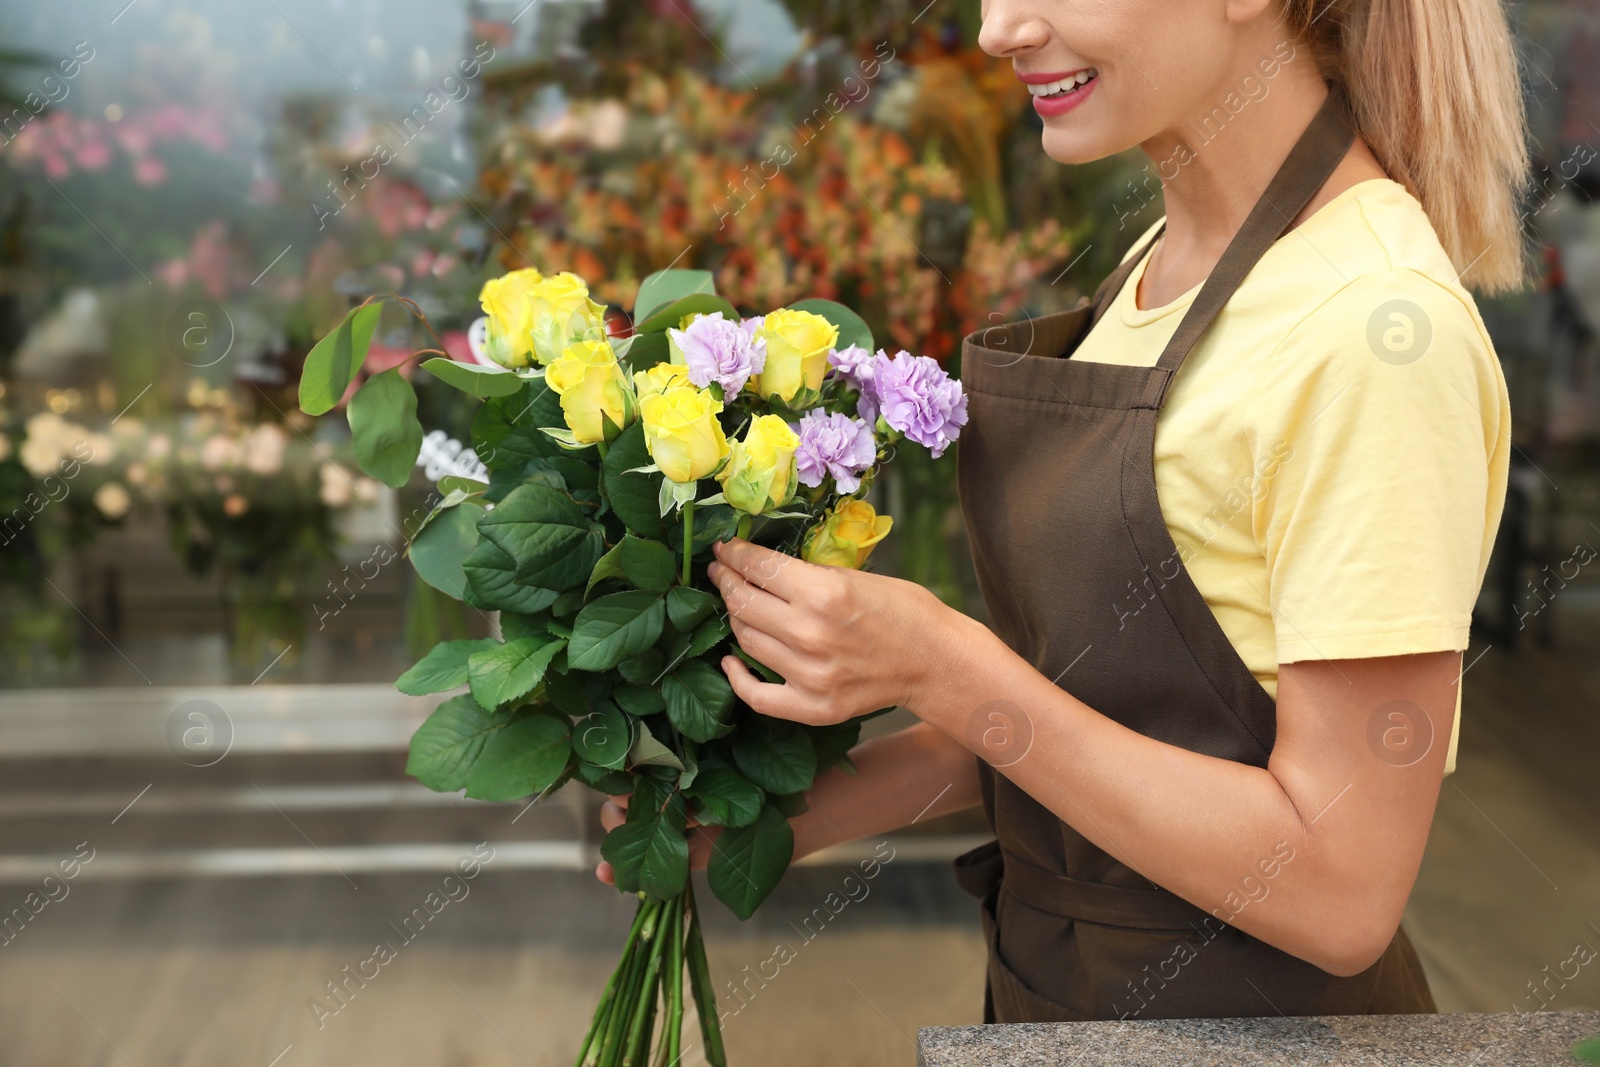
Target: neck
[{"x": 1225, "y": 152}]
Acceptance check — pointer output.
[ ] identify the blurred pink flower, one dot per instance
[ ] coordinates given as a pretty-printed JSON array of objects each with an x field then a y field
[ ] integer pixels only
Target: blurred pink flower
[
  {"x": 149, "y": 170},
  {"x": 381, "y": 357},
  {"x": 397, "y": 207},
  {"x": 93, "y": 153},
  {"x": 460, "y": 349}
]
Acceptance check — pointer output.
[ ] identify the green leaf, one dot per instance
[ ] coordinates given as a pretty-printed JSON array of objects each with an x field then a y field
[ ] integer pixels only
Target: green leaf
[
  {"x": 832, "y": 743},
  {"x": 634, "y": 497},
  {"x": 666, "y": 286},
  {"x": 493, "y": 577},
  {"x": 446, "y": 543},
  {"x": 646, "y": 565},
  {"x": 601, "y": 780},
  {"x": 725, "y": 797},
  {"x": 603, "y": 737},
  {"x": 447, "y": 746},
  {"x": 546, "y": 532},
  {"x": 613, "y": 628},
  {"x": 688, "y": 607},
  {"x": 775, "y": 754},
  {"x": 525, "y": 758},
  {"x": 648, "y": 751},
  {"x": 1587, "y": 1051},
  {"x": 334, "y": 361},
  {"x": 853, "y": 329},
  {"x": 650, "y": 854},
  {"x": 515, "y": 624},
  {"x": 384, "y": 428},
  {"x": 694, "y": 303},
  {"x": 699, "y": 701},
  {"x": 647, "y": 350},
  {"x": 566, "y": 692},
  {"x": 643, "y": 669},
  {"x": 452, "y": 484},
  {"x": 749, "y": 861},
  {"x": 639, "y": 699},
  {"x": 706, "y": 636},
  {"x": 505, "y": 431},
  {"x": 474, "y": 379},
  {"x": 507, "y": 672},
  {"x": 445, "y": 667},
  {"x": 452, "y": 498}
]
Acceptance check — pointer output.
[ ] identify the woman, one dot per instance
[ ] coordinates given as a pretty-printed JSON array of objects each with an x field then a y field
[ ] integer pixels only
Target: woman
[{"x": 1221, "y": 688}]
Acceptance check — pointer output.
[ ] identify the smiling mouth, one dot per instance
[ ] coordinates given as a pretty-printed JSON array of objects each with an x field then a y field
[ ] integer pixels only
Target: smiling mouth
[{"x": 1065, "y": 85}]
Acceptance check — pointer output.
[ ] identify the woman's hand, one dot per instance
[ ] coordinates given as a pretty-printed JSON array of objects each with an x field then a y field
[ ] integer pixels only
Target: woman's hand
[
  {"x": 846, "y": 642},
  {"x": 702, "y": 839}
]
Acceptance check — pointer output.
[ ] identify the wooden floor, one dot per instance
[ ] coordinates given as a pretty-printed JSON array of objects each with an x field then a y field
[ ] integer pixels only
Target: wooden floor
[{"x": 223, "y": 970}]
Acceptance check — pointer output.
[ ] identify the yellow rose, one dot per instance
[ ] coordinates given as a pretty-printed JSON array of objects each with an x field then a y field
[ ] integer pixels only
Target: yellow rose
[
  {"x": 593, "y": 390},
  {"x": 533, "y": 318},
  {"x": 660, "y": 378},
  {"x": 761, "y": 471},
  {"x": 562, "y": 315},
  {"x": 507, "y": 301},
  {"x": 846, "y": 535},
  {"x": 797, "y": 353},
  {"x": 682, "y": 432}
]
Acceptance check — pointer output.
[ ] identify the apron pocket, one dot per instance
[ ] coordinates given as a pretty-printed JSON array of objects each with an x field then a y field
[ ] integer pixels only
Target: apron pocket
[{"x": 1008, "y": 996}]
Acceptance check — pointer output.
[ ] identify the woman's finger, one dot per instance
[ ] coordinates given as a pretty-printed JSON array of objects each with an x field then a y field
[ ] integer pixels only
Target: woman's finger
[
  {"x": 769, "y": 651},
  {"x": 746, "y": 600},
  {"x": 603, "y": 871},
  {"x": 768, "y": 698},
  {"x": 773, "y": 571}
]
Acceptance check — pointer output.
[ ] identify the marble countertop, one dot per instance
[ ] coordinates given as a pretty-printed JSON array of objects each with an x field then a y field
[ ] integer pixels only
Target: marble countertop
[{"x": 1510, "y": 1039}]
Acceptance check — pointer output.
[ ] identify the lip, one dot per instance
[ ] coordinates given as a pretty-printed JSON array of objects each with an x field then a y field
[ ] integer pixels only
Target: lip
[
  {"x": 1046, "y": 78},
  {"x": 1048, "y": 107}
]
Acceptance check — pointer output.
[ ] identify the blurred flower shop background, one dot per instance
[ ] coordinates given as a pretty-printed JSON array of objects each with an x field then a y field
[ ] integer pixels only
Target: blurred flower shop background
[{"x": 193, "y": 193}]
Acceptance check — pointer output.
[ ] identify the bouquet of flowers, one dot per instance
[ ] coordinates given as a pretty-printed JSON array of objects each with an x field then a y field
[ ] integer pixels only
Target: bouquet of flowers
[{"x": 612, "y": 465}]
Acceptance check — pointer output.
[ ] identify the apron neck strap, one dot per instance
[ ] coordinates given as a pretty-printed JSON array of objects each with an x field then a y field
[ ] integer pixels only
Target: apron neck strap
[{"x": 1309, "y": 164}]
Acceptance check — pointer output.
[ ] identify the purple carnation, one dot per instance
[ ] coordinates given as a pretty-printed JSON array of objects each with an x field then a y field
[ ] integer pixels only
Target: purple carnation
[
  {"x": 833, "y": 443},
  {"x": 851, "y": 362},
  {"x": 720, "y": 350},
  {"x": 916, "y": 397}
]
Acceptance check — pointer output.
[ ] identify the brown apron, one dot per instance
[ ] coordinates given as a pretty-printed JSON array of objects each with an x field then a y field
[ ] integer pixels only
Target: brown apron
[{"x": 1057, "y": 486}]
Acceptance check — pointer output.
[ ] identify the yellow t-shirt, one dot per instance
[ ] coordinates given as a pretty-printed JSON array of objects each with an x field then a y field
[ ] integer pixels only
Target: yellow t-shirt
[{"x": 1331, "y": 460}]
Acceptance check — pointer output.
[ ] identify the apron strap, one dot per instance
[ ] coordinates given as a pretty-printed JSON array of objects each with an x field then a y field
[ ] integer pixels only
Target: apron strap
[
  {"x": 1101, "y": 904},
  {"x": 1309, "y": 165},
  {"x": 1113, "y": 283}
]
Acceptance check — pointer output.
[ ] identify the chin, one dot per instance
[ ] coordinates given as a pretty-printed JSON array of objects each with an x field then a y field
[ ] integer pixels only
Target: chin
[{"x": 1076, "y": 143}]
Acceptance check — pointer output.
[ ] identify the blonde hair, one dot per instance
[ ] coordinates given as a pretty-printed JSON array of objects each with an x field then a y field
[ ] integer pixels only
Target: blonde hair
[{"x": 1435, "y": 91}]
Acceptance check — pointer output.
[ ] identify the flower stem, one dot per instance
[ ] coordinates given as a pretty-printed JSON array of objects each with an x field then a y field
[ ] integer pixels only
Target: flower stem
[
  {"x": 631, "y": 973},
  {"x": 688, "y": 539},
  {"x": 743, "y": 533},
  {"x": 637, "y": 1035},
  {"x": 667, "y": 1054},
  {"x": 705, "y": 998},
  {"x": 608, "y": 999}
]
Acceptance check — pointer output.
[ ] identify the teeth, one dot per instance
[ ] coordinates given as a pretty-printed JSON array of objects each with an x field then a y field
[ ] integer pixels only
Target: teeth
[{"x": 1062, "y": 86}]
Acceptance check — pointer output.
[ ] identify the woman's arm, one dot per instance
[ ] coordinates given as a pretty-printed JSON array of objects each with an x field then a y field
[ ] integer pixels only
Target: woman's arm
[
  {"x": 1339, "y": 826},
  {"x": 901, "y": 778},
  {"x": 904, "y": 777}
]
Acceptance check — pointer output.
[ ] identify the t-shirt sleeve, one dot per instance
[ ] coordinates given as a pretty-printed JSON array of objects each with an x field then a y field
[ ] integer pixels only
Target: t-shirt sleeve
[{"x": 1384, "y": 419}]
